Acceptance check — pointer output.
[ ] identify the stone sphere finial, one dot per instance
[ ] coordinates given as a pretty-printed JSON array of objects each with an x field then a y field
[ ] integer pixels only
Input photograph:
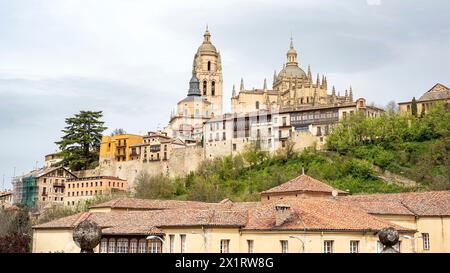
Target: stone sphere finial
[
  {"x": 389, "y": 237},
  {"x": 87, "y": 235}
]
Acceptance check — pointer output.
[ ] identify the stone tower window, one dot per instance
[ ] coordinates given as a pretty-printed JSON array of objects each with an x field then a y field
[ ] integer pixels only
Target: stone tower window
[
  {"x": 213, "y": 88},
  {"x": 209, "y": 65},
  {"x": 204, "y": 87}
]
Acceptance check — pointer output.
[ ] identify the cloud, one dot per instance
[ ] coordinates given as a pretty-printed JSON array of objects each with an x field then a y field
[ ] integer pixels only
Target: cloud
[{"x": 373, "y": 2}]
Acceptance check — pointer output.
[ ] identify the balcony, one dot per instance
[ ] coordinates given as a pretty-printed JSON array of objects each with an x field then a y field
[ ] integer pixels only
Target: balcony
[{"x": 59, "y": 185}]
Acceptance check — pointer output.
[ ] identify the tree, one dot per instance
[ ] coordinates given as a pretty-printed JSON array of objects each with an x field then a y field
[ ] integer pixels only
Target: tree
[
  {"x": 414, "y": 107},
  {"x": 391, "y": 107},
  {"x": 80, "y": 144},
  {"x": 118, "y": 131},
  {"x": 154, "y": 187}
]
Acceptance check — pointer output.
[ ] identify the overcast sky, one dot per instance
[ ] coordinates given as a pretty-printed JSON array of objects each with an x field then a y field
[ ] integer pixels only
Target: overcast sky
[{"x": 132, "y": 58}]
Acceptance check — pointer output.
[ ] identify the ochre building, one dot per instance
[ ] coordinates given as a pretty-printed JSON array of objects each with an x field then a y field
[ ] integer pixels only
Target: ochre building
[{"x": 301, "y": 217}]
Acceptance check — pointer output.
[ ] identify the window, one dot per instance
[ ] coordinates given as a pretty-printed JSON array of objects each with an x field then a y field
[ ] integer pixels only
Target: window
[
  {"x": 209, "y": 65},
  {"x": 224, "y": 246},
  {"x": 284, "y": 246},
  {"x": 328, "y": 246},
  {"x": 251, "y": 246},
  {"x": 122, "y": 246},
  {"x": 257, "y": 105},
  {"x": 284, "y": 121},
  {"x": 142, "y": 244},
  {"x": 224, "y": 137},
  {"x": 354, "y": 246},
  {"x": 183, "y": 243},
  {"x": 154, "y": 246},
  {"x": 133, "y": 246},
  {"x": 172, "y": 243},
  {"x": 213, "y": 88},
  {"x": 426, "y": 241},
  {"x": 112, "y": 246},
  {"x": 104, "y": 245},
  {"x": 234, "y": 147}
]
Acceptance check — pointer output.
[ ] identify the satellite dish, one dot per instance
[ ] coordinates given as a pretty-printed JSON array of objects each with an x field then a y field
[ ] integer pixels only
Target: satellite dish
[{"x": 334, "y": 193}]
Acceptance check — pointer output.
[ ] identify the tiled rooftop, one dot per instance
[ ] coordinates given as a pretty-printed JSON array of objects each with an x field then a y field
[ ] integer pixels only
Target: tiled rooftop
[
  {"x": 432, "y": 203},
  {"x": 303, "y": 183},
  {"x": 320, "y": 214}
]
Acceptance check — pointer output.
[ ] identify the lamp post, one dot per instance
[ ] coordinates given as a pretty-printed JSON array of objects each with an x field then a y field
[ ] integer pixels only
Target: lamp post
[
  {"x": 413, "y": 241},
  {"x": 152, "y": 237},
  {"x": 301, "y": 240}
]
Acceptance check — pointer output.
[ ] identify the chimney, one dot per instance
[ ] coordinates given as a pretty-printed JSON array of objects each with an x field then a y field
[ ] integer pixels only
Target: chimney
[{"x": 283, "y": 214}]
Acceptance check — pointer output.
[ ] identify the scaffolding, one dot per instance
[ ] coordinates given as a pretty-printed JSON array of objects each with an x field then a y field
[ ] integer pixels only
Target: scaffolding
[{"x": 25, "y": 190}]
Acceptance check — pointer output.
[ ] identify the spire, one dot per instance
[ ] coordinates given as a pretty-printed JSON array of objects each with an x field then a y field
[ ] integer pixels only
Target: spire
[
  {"x": 309, "y": 74},
  {"x": 346, "y": 95},
  {"x": 274, "y": 76},
  {"x": 291, "y": 54},
  {"x": 265, "y": 85},
  {"x": 194, "y": 86},
  {"x": 207, "y": 35},
  {"x": 350, "y": 96},
  {"x": 242, "y": 84},
  {"x": 234, "y": 91},
  {"x": 325, "y": 85},
  {"x": 333, "y": 95},
  {"x": 318, "y": 80}
]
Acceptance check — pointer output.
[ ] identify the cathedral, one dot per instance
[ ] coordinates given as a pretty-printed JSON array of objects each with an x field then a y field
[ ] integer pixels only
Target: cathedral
[
  {"x": 292, "y": 89},
  {"x": 204, "y": 99}
]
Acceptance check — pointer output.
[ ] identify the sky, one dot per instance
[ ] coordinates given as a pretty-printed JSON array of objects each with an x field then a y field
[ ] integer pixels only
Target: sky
[{"x": 132, "y": 59}]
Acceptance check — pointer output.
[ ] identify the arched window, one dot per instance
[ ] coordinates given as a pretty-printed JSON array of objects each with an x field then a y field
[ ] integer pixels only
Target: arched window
[
  {"x": 257, "y": 104},
  {"x": 122, "y": 246},
  {"x": 142, "y": 246},
  {"x": 112, "y": 246},
  {"x": 104, "y": 245},
  {"x": 209, "y": 65},
  {"x": 204, "y": 87},
  {"x": 133, "y": 246},
  {"x": 213, "y": 88},
  {"x": 154, "y": 246}
]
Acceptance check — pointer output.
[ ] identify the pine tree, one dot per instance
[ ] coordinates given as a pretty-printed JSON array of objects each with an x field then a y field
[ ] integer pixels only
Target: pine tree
[
  {"x": 80, "y": 144},
  {"x": 414, "y": 107}
]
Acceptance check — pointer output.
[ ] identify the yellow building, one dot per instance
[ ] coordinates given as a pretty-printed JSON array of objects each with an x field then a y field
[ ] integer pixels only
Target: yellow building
[
  {"x": 156, "y": 146},
  {"x": 302, "y": 216},
  {"x": 116, "y": 148},
  {"x": 438, "y": 93},
  {"x": 85, "y": 188}
]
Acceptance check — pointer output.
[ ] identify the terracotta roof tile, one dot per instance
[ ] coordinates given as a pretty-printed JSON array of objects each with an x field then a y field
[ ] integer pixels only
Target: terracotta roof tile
[
  {"x": 303, "y": 183},
  {"x": 316, "y": 214},
  {"x": 147, "y": 204},
  {"x": 432, "y": 203}
]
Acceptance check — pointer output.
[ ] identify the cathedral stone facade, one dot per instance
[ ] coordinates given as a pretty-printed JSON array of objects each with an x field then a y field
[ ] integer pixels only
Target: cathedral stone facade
[
  {"x": 204, "y": 99},
  {"x": 292, "y": 88}
]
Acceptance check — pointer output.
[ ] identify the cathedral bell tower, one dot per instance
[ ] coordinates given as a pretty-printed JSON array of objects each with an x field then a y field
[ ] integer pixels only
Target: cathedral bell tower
[{"x": 207, "y": 67}]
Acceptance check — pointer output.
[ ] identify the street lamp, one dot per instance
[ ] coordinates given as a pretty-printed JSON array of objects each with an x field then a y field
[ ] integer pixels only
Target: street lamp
[
  {"x": 152, "y": 237},
  {"x": 413, "y": 241},
  {"x": 303, "y": 242}
]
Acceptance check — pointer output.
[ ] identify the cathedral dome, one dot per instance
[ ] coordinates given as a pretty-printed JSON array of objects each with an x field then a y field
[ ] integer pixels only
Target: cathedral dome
[
  {"x": 292, "y": 71},
  {"x": 207, "y": 46}
]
